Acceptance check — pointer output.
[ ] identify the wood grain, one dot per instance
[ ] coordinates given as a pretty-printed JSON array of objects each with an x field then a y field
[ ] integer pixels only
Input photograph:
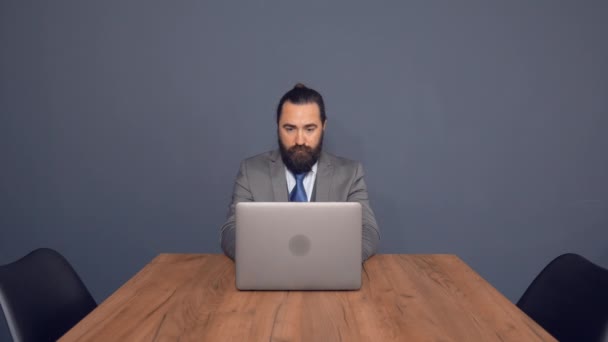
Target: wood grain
[{"x": 192, "y": 297}]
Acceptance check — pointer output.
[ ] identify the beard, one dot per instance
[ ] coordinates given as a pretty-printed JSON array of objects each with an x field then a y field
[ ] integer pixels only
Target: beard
[{"x": 300, "y": 158}]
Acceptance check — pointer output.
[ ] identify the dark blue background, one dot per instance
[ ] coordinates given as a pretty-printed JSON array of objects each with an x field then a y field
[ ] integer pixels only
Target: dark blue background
[{"x": 481, "y": 126}]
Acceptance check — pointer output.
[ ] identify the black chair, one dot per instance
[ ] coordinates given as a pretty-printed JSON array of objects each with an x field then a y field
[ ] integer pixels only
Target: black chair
[
  {"x": 42, "y": 296},
  {"x": 569, "y": 299}
]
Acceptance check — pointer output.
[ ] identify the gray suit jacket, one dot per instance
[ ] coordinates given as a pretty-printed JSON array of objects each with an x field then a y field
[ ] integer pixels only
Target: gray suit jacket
[{"x": 262, "y": 179}]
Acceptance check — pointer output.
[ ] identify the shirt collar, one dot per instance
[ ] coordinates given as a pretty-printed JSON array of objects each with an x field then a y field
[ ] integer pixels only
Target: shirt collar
[{"x": 313, "y": 170}]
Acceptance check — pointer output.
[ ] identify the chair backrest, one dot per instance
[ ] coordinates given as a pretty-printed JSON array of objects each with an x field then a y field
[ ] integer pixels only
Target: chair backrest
[
  {"x": 569, "y": 299},
  {"x": 42, "y": 296}
]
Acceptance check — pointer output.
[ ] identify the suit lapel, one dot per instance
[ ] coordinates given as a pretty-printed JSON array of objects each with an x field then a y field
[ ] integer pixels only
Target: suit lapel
[
  {"x": 277, "y": 175},
  {"x": 323, "y": 182}
]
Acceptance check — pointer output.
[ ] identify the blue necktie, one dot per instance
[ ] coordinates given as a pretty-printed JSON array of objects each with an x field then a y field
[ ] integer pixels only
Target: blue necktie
[{"x": 298, "y": 194}]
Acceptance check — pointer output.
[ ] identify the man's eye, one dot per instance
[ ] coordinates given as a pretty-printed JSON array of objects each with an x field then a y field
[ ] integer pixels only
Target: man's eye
[
  {"x": 289, "y": 129},
  {"x": 310, "y": 129}
]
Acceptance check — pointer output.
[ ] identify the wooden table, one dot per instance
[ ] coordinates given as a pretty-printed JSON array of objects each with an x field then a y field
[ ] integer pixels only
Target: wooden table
[{"x": 192, "y": 297}]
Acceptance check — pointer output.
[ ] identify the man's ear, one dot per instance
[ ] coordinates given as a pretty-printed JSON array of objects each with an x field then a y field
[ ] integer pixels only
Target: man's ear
[{"x": 324, "y": 125}]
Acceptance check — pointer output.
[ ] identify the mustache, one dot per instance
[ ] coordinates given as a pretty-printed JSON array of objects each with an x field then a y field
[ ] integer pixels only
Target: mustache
[{"x": 299, "y": 148}]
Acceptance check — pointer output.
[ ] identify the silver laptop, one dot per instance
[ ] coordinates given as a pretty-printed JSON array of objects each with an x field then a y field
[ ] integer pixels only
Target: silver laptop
[{"x": 298, "y": 246}]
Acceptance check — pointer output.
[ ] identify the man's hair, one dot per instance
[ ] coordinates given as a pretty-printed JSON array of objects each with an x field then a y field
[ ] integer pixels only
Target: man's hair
[{"x": 300, "y": 94}]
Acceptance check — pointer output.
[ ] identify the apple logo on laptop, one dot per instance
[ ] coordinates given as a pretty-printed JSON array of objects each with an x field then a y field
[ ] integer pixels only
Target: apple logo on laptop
[{"x": 299, "y": 245}]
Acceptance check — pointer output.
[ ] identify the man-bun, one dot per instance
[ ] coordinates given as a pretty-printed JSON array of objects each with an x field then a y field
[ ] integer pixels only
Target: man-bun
[{"x": 301, "y": 94}]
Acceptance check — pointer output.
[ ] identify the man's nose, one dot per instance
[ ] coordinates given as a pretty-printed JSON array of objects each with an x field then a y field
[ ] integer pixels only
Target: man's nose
[{"x": 300, "y": 138}]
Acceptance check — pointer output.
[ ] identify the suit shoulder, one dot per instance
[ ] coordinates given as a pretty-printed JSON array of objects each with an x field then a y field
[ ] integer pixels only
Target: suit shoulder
[{"x": 261, "y": 158}]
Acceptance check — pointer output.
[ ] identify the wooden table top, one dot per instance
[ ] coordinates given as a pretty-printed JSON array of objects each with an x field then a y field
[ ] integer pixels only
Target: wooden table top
[{"x": 192, "y": 297}]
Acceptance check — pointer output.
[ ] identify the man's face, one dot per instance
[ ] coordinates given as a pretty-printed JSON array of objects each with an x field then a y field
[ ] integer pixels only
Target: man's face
[{"x": 300, "y": 135}]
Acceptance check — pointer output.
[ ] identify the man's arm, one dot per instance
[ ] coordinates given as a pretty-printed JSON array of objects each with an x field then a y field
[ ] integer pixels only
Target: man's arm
[
  {"x": 241, "y": 193},
  {"x": 371, "y": 232}
]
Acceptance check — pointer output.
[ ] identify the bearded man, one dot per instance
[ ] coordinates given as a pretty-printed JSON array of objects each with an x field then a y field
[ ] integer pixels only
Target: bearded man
[{"x": 300, "y": 170}]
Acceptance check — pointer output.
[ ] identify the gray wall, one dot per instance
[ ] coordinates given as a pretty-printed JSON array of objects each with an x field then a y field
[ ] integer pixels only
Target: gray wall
[{"x": 482, "y": 127}]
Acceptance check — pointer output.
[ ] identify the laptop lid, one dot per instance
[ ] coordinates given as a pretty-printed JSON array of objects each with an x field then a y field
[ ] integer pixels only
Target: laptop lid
[{"x": 298, "y": 246}]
